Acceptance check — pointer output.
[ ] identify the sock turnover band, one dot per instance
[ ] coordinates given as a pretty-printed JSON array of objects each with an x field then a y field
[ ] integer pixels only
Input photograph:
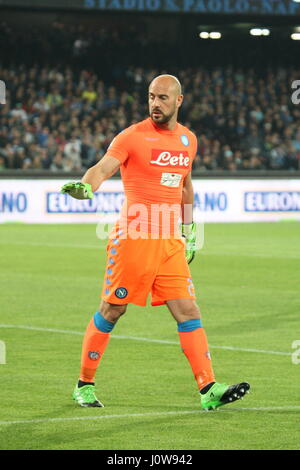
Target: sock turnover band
[
  {"x": 189, "y": 325},
  {"x": 102, "y": 324}
]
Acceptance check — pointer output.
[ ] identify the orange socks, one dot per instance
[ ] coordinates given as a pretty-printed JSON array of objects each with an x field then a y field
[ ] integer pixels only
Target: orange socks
[
  {"x": 95, "y": 341},
  {"x": 192, "y": 339},
  {"x": 195, "y": 347}
]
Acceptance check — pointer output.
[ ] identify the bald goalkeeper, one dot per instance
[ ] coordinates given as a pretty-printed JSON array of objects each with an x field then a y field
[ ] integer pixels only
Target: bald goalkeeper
[{"x": 155, "y": 160}]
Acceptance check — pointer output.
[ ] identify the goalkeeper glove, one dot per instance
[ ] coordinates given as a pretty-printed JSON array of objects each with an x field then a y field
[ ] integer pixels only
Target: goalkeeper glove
[
  {"x": 78, "y": 190},
  {"x": 189, "y": 233}
]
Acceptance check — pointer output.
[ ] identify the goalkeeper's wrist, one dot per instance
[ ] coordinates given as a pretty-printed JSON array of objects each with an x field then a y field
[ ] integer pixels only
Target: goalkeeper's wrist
[{"x": 187, "y": 228}]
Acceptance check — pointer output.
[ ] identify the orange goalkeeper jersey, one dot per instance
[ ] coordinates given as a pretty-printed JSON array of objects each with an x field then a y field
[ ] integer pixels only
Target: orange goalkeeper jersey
[{"x": 154, "y": 163}]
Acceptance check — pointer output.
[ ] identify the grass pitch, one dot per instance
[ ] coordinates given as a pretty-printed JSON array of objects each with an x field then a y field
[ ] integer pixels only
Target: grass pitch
[{"x": 247, "y": 284}]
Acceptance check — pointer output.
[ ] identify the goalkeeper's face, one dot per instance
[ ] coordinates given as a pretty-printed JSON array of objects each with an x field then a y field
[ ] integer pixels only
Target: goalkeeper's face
[{"x": 165, "y": 98}]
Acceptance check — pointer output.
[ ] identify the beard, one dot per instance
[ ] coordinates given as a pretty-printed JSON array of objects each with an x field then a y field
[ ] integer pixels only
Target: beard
[{"x": 161, "y": 118}]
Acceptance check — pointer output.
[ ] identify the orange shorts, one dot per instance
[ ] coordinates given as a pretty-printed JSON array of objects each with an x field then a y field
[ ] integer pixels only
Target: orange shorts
[{"x": 138, "y": 267}]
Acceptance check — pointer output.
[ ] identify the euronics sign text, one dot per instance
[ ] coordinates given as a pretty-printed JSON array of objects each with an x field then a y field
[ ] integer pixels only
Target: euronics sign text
[{"x": 215, "y": 200}]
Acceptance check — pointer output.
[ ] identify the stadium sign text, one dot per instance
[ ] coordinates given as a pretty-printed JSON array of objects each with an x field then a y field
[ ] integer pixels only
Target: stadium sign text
[
  {"x": 210, "y": 201},
  {"x": 232, "y": 7},
  {"x": 215, "y": 200},
  {"x": 103, "y": 202},
  {"x": 263, "y": 7},
  {"x": 13, "y": 202},
  {"x": 272, "y": 201}
]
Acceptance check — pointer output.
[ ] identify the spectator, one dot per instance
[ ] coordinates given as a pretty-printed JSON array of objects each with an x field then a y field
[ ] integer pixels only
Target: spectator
[
  {"x": 89, "y": 94},
  {"x": 54, "y": 98},
  {"x": 59, "y": 163},
  {"x": 19, "y": 113},
  {"x": 65, "y": 117},
  {"x": 72, "y": 152}
]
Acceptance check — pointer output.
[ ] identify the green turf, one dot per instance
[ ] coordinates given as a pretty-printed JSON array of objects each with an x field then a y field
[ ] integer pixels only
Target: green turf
[{"x": 247, "y": 285}]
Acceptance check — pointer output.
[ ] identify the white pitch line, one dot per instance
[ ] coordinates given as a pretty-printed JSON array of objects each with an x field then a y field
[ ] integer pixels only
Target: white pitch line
[
  {"x": 144, "y": 415},
  {"x": 149, "y": 340},
  {"x": 36, "y": 328}
]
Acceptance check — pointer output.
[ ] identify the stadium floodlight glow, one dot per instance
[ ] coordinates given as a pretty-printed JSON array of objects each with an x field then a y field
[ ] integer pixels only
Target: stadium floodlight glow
[
  {"x": 204, "y": 35},
  {"x": 259, "y": 32},
  {"x": 215, "y": 35},
  {"x": 255, "y": 32},
  {"x": 295, "y": 36},
  {"x": 297, "y": 1}
]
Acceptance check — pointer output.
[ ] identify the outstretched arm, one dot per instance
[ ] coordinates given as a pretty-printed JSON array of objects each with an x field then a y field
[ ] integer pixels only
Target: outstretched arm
[
  {"x": 100, "y": 172},
  {"x": 93, "y": 178}
]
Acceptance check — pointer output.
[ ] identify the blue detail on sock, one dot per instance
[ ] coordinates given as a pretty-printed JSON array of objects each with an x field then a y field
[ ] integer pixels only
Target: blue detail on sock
[
  {"x": 108, "y": 282},
  {"x": 111, "y": 261},
  {"x": 189, "y": 325},
  {"x": 109, "y": 271},
  {"x": 106, "y": 291},
  {"x": 102, "y": 324},
  {"x": 113, "y": 251},
  {"x": 116, "y": 242}
]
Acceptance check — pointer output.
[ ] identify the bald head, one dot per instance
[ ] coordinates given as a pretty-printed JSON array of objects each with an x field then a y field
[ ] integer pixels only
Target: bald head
[
  {"x": 167, "y": 81},
  {"x": 165, "y": 98}
]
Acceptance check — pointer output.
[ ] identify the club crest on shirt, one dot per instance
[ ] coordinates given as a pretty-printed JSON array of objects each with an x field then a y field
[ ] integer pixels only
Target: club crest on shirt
[
  {"x": 184, "y": 139},
  {"x": 172, "y": 158}
]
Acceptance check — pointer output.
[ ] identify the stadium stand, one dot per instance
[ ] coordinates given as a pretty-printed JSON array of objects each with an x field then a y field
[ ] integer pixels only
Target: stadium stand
[{"x": 62, "y": 112}]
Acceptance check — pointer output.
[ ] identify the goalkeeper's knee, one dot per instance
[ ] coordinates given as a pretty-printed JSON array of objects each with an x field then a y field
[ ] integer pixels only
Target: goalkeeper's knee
[{"x": 112, "y": 312}]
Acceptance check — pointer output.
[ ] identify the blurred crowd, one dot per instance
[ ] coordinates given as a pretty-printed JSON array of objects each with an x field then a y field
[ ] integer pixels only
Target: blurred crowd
[{"x": 63, "y": 117}]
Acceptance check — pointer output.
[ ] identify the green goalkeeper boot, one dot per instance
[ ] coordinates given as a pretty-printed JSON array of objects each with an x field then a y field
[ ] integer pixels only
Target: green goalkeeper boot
[
  {"x": 85, "y": 396},
  {"x": 221, "y": 394}
]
